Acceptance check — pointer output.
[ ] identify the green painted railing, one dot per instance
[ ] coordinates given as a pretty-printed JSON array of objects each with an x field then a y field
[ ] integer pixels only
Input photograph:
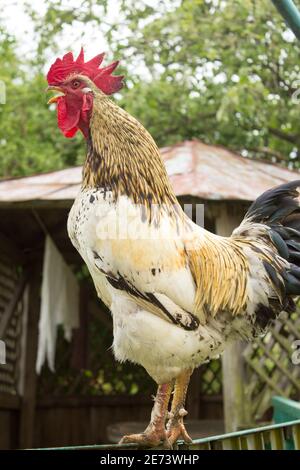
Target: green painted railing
[
  {"x": 283, "y": 436},
  {"x": 285, "y": 410},
  {"x": 290, "y": 13}
]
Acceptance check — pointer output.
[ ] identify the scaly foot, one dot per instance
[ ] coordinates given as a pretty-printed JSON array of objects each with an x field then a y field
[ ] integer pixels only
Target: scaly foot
[
  {"x": 149, "y": 438},
  {"x": 155, "y": 433},
  {"x": 176, "y": 429}
]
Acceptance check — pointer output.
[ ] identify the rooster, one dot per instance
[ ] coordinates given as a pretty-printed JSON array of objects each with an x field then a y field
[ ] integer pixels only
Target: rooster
[{"x": 178, "y": 294}]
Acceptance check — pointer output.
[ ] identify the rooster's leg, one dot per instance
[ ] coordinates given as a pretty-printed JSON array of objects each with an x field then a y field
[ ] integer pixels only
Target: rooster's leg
[
  {"x": 175, "y": 426},
  {"x": 155, "y": 433}
]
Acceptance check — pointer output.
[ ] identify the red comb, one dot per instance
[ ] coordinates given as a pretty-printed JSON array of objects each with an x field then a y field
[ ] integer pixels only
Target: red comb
[{"x": 102, "y": 77}]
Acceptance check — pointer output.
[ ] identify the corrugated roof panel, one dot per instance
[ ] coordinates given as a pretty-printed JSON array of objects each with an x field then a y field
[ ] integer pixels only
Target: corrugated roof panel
[{"x": 195, "y": 168}]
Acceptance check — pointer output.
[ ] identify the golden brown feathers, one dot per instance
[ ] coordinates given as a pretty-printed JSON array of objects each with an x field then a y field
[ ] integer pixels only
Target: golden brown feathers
[
  {"x": 123, "y": 157},
  {"x": 220, "y": 271}
]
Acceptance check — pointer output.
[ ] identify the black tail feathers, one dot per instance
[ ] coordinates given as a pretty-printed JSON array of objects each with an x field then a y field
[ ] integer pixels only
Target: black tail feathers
[
  {"x": 279, "y": 205},
  {"x": 279, "y": 209}
]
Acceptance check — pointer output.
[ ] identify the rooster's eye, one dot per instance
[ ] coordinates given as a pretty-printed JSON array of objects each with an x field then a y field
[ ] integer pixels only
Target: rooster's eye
[{"x": 75, "y": 84}]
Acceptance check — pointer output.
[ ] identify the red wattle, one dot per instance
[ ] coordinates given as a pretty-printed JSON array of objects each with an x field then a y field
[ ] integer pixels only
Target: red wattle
[
  {"x": 71, "y": 132},
  {"x": 73, "y": 116},
  {"x": 67, "y": 117}
]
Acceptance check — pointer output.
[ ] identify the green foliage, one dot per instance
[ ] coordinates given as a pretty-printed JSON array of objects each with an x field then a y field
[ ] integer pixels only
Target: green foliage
[
  {"x": 29, "y": 139},
  {"x": 224, "y": 71}
]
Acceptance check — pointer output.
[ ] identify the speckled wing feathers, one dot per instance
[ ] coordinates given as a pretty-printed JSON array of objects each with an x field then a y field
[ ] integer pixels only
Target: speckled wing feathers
[{"x": 157, "y": 303}]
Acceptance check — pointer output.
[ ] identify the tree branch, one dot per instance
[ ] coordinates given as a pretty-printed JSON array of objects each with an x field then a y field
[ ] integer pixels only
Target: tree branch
[
  {"x": 292, "y": 138},
  {"x": 270, "y": 152}
]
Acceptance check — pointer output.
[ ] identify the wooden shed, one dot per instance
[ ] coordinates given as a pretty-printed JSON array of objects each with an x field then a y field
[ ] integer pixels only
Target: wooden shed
[{"x": 74, "y": 406}]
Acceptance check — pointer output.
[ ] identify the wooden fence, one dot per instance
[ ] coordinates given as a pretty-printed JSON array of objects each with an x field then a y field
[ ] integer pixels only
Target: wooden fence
[{"x": 67, "y": 421}]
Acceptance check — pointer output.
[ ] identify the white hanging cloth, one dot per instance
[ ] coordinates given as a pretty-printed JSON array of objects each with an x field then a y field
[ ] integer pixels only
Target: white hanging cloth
[{"x": 59, "y": 304}]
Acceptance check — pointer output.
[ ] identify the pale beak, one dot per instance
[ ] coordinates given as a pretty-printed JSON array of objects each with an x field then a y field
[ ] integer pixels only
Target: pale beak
[{"x": 58, "y": 95}]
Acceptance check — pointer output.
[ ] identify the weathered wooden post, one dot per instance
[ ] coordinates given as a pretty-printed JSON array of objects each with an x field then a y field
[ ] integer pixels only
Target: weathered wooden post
[
  {"x": 235, "y": 404},
  {"x": 29, "y": 379}
]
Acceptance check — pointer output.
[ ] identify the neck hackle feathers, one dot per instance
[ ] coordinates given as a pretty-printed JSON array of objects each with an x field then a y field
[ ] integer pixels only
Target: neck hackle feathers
[
  {"x": 123, "y": 158},
  {"x": 61, "y": 69}
]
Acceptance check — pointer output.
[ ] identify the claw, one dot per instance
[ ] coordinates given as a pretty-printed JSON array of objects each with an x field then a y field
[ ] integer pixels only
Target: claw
[
  {"x": 148, "y": 439},
  {"x": 182, "y": 413},
  {"x": 178, "y": 432},
  {"x": 176, "y": 429}
]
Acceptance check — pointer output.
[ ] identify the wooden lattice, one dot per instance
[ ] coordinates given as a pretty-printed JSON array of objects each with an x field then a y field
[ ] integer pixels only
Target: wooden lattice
[
  {"x": 211, "y": 378},
  {"x": 270, "y": 369},
  {"x": 13, "y": 300}
]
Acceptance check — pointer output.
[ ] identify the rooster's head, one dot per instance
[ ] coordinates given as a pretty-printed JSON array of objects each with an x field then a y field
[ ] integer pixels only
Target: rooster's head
[{"x": 76, "y": 82}]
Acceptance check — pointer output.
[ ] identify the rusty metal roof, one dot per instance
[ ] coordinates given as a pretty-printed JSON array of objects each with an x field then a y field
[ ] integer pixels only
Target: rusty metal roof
[{"x": 195, "y": 168}]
